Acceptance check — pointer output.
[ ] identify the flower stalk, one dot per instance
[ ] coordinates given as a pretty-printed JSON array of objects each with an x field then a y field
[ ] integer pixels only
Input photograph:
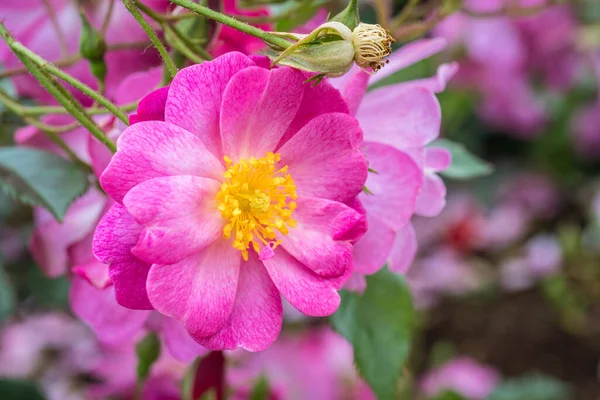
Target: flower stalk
[
  {"x": 234, "y": 23},
  {"x": 135, "y": 12},
  {"x": 47, "y": 67}
]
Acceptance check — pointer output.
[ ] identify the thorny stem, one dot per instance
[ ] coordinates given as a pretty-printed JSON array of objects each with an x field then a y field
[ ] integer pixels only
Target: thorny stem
[
  {"x": 42, "y": 110},
  {"x": 135, "y": 12},
  {"x": 177, "y": 39},
  {"x": 73, "y": 59},
  {"x": 49, "y": 130},
  {"x": 62, "y": 96},
  {"x": 64, "y": 62},
  {"x": 25, "y": 54},
  {"x": 234, "y": 23}
]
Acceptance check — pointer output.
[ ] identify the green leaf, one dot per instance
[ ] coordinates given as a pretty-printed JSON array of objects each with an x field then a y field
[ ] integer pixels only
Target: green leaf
[
  {"x": 40, "y": 178},
  {"x": 7, "y": 296},
  {"x": 349, "y": 15},
  {"x": 148, "y": 351},
  {"x": 19, "y": 390},
  {"x": 465, "y": 165},
  {"x": 449, "y": 396},
  {"x": 379, "y": 325},
  {"x": 531, "y": 388},
  {"x": 260, "y": 390}
]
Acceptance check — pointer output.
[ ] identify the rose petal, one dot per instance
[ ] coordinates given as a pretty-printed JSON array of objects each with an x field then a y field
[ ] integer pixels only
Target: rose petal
[
  {"x": 195, "y": 95},
  {"x": 315, "y": 240},
  {"x": 258, "y": 107},
  {"x": 309, "y": 293},
  {"x": 179, "y": 216},
  {"x": 199, "y": 290},
  {"x": 323, "y": 159},
  {"x": 257, "y": 314},
  {"x": 153, "y": 149}
]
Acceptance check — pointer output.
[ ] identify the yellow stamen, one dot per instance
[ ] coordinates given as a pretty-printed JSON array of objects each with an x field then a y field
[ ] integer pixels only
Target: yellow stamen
[{"x": 256, "y": 200}]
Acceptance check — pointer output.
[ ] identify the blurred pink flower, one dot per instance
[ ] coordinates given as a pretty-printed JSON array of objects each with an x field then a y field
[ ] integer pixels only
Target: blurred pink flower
[
  {"x": 165, "y": 171},
  {"x": 445, "y": 272},
  {"x": 310, "y": 364},
  {"x": 534, "y": 193},
  {"x": 115, "y": 368},
  {"x": 541, "y": 257},
  {"x": 31, "y": 23},
  {"x": 586, "y": 123},
  {"x": 504, "y": 55},
  {"x": 544, "y": 255},
  {"x": 53, "y": 349},
  {"x": 464, "y": 376},
  {"x": 398, "y": 122}
]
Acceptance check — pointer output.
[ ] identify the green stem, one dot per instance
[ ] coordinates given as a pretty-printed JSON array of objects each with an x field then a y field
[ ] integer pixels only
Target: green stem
[
  {"x": 152, "y": 35},
  {"x": 180, "y": 39},
  {"x": 24, "y": 53},
  {"x": 234, "y": 23},
  {"x": 187, "y": 387},
  {"x": 42, "y": 110},
  {"x": 74, "y": 108}
]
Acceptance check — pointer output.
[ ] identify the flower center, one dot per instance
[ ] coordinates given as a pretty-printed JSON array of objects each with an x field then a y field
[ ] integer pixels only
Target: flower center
[{"x": 256, "y": 199}]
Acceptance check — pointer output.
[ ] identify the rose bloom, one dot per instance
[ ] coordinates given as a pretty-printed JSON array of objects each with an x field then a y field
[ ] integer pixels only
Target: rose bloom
[
  {"x": 314, "y": 363},
  {"x": 399, "y": 122},
  {"x": 231, "y": 188}
]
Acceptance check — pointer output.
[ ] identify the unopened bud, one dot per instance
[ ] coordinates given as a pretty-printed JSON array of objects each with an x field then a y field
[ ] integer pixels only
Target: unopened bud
[
  {"x": 372, "y": 44},
  {"x": 327, "y": 50},
  {"x": 332, "y": 48},
  {"x": 91, "y": 44}
]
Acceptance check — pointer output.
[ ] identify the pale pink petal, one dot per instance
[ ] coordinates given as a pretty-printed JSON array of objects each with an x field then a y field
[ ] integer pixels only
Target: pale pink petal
[
  {"x": 139, "y": 84},
  {"x": 353, "y": 86},
  {"x": 317, "y": 100},
  {"x": 258, "y": 107},
  {"x": 309, "y": 293},
  {"x": 95, "y": 272},
  {"x": 404, "y": 250},
  {"x": 371, "y": 252},
  {"x": 432, "y": 198},
  {"x": 408, "y": 55},
  {"x": 257, "y": 313},
  {"x": 51, "y": 240},
  {"x": 179, "y": 216},
  {"x": 437, "y": 159},
  {"x": 436, "y": 83},
  {"x": 315, "y": 241},
  {"x": 111, "y": 322},
  {"x": 402, "y": 118},
  {"x": 153, "y": 149},
  {"x": 199, "y": 290},
  {"x": 356, "y": 283},
  {"x": 393, "y": 186},
  {"x": 194, "y": 100},
  {"x": 179, "y": 343},
  {"x": 323, "y": 158}
]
